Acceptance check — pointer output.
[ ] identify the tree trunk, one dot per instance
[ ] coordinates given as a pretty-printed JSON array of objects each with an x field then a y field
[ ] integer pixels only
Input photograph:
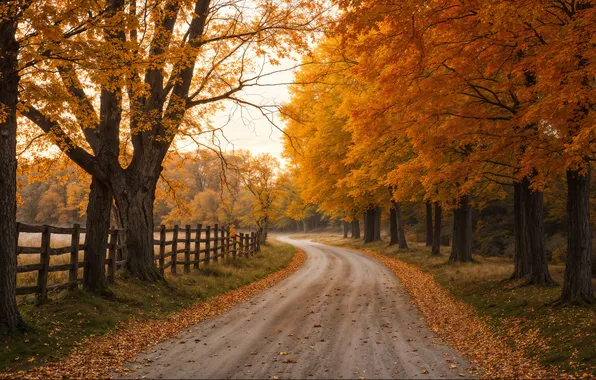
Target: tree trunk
[
  {"x": 577, "y": 286},
  {"x": 9, "y": 84},
  {"x": 355, "y": 229},
  {"x": 521, "y": 256},
  {"x": 461, "y": 249},
  {"x": 429, "y": 224},
  {"x": 96, "y": 238},
  {"x": 370, "y": 217},
  {"x": 534, "y": 230},
  {"x": 264, "y": 231},
  {"x": 346, "y": 226},
  {"x": 378, "y": 212},
  {"x": 135, "y": 204},
  {"x": 305, "y": 225},
  {"x": 393, "y": 227},
  {"x": 436, "y": 248},
  {"x": 401, "y": 232}
]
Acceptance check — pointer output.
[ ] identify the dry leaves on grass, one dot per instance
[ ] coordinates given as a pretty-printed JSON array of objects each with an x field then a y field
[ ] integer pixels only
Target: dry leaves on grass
[
  {"x": 98, "y": 356},
  {"x": 461, "y": 327}
]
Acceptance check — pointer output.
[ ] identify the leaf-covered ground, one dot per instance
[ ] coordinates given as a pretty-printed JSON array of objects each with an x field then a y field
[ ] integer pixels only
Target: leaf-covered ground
[
  {"x": 97, "y": 355},
  {"x": 509, "y": 329}
]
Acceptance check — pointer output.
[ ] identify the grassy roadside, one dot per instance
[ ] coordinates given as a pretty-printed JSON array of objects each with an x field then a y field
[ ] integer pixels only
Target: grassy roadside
[
  {"x": 70, "y": 317},
  {"x": 565, "y": 338}
]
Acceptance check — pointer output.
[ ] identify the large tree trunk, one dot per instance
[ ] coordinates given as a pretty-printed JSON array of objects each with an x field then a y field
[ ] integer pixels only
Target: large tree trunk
[
  {"x": 534, "y": 223},
  {"x": 9, "y": 85},
  {"x": 393, "y": 227},
  {"x": 96, "y": 238},
  {"x": 401, "y": 232},
  {"x": 577, "y": 286},
  {"x": 377, "y": 236},
  {"x": 135, "y": 204},
  {"x": 461, "y": 249},
  {"x": 521, "y": 257},
  {"x": 370, "y": 217},
  {"x": 264, "y": 231},
  {"x": 429, "y": 224},
  {"x": 355, "y": 229},
  {"x": 346, "y": 226},
  {"x": 436, "y": 248}
]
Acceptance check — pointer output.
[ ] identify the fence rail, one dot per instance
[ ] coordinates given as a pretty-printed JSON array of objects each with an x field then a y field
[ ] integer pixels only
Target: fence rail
[{"x": 186, "y": 246}]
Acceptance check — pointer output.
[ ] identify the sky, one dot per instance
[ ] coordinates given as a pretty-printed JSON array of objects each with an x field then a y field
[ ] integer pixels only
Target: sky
[{"x": 247, "y": 128}]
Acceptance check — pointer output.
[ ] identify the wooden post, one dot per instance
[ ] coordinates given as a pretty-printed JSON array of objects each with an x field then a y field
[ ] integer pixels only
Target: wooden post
[
  {"x": 228, "y": 241},
  {"x": 253, "y": 246},
  {"x": 247, "y": 245},
  {"x": 44, "y": 260},
  {"x": 197, "y": 247},
  {"x": 242, "y": 244},
  {"x": 74, "y": 256},
  {"x": 162, "y": 248},
  {"x": 234, "y": 245},
  {"x": 112, "y": 255},
  {"x": 174, "y": 249},
  {"x": 207, "y": 245},
  {"x": 187, "y": 250},
  {"x": 215, "y": 242}
]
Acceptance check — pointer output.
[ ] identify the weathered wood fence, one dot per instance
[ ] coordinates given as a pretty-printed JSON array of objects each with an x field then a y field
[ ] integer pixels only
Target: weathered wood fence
[{"x": 176, "y": 247}]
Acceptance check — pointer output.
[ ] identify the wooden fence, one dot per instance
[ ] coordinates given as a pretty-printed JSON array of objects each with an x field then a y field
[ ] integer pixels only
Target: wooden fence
[{"x": 186, "y": 247}]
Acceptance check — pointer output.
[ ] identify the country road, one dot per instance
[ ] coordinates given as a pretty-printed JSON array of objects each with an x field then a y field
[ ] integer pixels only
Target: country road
[{"x": 342, "y": 315}]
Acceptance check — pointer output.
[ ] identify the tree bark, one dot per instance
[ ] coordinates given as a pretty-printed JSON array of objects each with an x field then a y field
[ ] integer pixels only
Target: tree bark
[
  {"x": 370, "y": 217},
  {"x": 436, "y": 248},
  {"x": 429, "y": 224},
  {"x": 135, "y": 205},
  {"x": 393, "y": 227},
  {"x": 96, "y": 238},
  {"x": 346, "y": 226},
  {"x": 461, "y": 249},
  {"x": 377, "y": 236},
  {"x": 355, "y": 229},
  {"x": 577, "y": 285},
  {"x": 534, "y": 229},
  {"x": 521, "y": 256},
  {"x": 9, "y": 84},
  {"x": 401, "y": 232}
]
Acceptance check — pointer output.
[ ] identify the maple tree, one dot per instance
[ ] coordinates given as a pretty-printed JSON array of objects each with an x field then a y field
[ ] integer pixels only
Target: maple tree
[
  {"x": 155, "y": 69},
  {"x": 456, "y": 98}
]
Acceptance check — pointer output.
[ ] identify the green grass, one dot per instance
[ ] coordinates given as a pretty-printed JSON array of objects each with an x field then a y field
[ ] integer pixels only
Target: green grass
[
  {"x": 485, "y": 286},
  {"x": 69, "y": 317}
]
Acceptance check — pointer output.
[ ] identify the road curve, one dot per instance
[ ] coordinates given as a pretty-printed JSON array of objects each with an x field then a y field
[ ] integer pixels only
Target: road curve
[{"x": 342, "y": 315}]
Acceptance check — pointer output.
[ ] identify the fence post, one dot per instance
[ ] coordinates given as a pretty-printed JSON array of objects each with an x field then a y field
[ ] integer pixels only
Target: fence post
[
  {"x": 187, "y": 250},
  {"x": 162, "y": 248},
  {"x": 215, "y": 242},
  {"x": 44, "y": 260},
  {"x": 197, "y": 247},
  {"x": 74, "y": 256},
  {"x": 112, "y": 255},
  {"x": 234, "y": 245},
  {"x": 253, "y": 246},
  {"x": 208, "y": 245},
  {"x": 247, "y": 245},
  {"x": 174, "y": 249},
  {"x": 242, "y": 244},
  {"x": 228, "y": 241}
]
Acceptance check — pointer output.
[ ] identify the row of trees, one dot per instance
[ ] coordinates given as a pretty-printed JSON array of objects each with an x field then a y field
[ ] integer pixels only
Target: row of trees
[
  {"x": 112, "y": 84},
  {"x": 449, "y": 103}
]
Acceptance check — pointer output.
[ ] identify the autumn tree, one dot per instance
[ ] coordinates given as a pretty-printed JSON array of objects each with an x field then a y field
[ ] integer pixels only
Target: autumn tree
[
  {"x": 154, "y": 69},
  {"x": 10, "y": 12}
]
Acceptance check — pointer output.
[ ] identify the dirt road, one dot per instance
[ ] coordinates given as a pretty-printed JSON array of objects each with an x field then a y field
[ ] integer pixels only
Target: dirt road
[{"x": 342, "y": 315}]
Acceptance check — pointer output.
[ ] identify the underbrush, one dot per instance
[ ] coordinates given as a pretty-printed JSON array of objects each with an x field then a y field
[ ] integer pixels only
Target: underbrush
[{"x": 68, "y": 317}]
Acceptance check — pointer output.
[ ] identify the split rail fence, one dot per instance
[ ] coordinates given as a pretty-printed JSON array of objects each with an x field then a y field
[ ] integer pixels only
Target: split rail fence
[{"x": 176, "y": 247}]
